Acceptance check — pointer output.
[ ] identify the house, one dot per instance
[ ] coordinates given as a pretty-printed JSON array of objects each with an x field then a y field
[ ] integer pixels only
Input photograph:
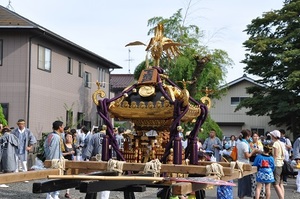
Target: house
[
  {"x": 45, "y": 77},
  {"x": 119, "y": 82},
  {"x": 232, "y": 122}
]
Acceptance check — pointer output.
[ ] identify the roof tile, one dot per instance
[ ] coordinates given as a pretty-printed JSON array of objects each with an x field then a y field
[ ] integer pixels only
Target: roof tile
[{"x": 121, "y": 80}]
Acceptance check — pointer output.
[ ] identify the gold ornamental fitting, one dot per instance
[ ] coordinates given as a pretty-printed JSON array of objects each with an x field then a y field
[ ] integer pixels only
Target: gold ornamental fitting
[
  {"x": 206, "y": 100},
  {"x": 146, "y": 91},
  {"x": 99, "y": 92}
]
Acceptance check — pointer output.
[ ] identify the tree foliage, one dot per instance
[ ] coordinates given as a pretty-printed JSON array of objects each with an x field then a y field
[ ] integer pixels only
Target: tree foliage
[
  {"x": 2, "y": 117},
  {"x": 184, "y": 67},
  {"x": 274, "y": 55},
  {"x": 188, "y": 65}
]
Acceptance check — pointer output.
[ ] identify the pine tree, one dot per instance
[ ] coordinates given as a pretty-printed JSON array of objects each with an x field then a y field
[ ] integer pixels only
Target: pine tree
[{"x": 273, "y": 55}]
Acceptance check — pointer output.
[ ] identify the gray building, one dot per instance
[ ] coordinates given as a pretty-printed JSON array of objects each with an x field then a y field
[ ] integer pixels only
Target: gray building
[
  {"x": 232, "y": 122},
  {"x": 45, "y": 77}
]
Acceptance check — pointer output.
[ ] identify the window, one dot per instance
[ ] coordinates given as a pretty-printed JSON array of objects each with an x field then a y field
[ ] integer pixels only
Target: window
[
  {"x": 88, "y": 124},
  {"x": 80, "y": 69},
  {"x": 44, "y": 62},
  {"x": 5, "y": 110},
  {"x": 80, "y": 120},
  {"x": 236, "y": 100},
  {"x": 260, "y": 131},
  {"x": 102, "y": 76},
  {"x": 87, "y": 79},
  {"x": 69, "y": 118},
  {"x": 70, "y": 66},
  {"x": 1, "y": 51}
]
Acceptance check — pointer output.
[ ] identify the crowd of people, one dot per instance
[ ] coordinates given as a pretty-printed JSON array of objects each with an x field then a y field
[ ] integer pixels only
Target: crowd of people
[
  {"x": 14, "y": 147},
  {"x": 266, "y": 152},
  {"x": 81, "y": 145},
  {"x": 71, "y": 144}
]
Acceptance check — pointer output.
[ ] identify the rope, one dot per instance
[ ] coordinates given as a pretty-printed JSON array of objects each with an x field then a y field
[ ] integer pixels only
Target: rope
[
  {"x": 59, "y": 164},
  {"x": 154, "y": 167},
  {"x": 240, "y": 168},
  {"x": 98, "y": 157},
  {"x": 115, "y": 165},
  {"x": 215, "y": 169}
]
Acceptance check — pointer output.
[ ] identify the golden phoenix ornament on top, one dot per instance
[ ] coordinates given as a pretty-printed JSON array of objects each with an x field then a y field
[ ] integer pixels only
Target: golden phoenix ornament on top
[{"x": 159, "y": 45}]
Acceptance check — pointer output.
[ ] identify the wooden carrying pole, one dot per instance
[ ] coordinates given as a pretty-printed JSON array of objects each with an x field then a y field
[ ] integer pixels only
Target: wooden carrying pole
[
  {"x": 85, "y": 177},
  {"x": 168, "y": 168},
  {"x": 28, "y": 175}
]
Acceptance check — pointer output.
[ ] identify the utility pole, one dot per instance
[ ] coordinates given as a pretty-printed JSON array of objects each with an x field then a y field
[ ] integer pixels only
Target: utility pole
[
  {"x": 129, "y": 60},
  {"x": 9, "y": 6}
]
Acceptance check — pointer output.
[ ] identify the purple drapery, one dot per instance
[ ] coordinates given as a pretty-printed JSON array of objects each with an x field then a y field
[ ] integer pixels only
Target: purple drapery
[{"x": 179, "y": 112}]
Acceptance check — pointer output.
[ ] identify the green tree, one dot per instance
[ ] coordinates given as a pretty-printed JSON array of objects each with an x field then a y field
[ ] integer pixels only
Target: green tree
[
  {"x": 208, "y": 125},
  {"x": 273, "y": 54},
  {"x": 2, "y": 117},
  {"x": 189, "y": 64},
  {"x": 196, "y": 62}
]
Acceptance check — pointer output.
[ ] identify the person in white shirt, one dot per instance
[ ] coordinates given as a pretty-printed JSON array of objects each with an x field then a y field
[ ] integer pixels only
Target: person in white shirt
[
  {"x": 243, "y": 155},
  {"x": 288, "y": 146},
  {"x": 278, "y": 151}
]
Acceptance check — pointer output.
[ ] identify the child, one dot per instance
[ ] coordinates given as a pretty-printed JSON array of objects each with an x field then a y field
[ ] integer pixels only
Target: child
[
  {"x": 223, "y": 191},
  {"x": 265, "y": 167}
]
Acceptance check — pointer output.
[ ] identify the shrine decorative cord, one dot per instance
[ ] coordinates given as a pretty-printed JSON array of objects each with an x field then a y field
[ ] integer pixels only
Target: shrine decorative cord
[
  {"x": 59, "y": 164},
  {"x": 154, "y": 167}
]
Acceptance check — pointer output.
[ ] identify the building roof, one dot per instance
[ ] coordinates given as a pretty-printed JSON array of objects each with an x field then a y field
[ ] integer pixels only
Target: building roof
[
  {"x": 121, "y": 81},
  {"x": 243, "y": 78},
  {"x": 12, "y": 20}
]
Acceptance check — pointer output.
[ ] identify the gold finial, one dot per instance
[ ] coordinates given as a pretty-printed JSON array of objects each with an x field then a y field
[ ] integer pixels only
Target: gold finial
[
  {"x": 208, "y": 91},
  {"x": 159, "y": 44},
  {"x": 98, "y": 84},
  {"x": 184, "y": 83},
  {"x": 206, "y": 100},
  {"x": 97, "y": 93}
]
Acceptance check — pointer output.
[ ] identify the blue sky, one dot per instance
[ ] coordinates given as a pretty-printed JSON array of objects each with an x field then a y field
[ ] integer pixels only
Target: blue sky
[{"x": 105, "y": 27}]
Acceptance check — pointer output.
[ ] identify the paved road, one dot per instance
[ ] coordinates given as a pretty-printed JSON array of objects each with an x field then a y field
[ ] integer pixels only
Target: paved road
[{"x": 24, "y": 191}]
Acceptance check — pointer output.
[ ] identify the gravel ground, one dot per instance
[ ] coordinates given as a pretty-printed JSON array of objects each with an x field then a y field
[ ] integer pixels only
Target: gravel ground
[{"x": 23, "y": 190}]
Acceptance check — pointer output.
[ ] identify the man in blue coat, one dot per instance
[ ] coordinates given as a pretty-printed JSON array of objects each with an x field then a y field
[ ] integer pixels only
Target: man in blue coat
[
  {"x": 52, "y": 148},
  {"x": 26, "y": 141}
]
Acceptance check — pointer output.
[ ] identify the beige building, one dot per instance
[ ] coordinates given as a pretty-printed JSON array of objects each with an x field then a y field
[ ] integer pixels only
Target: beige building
[
  {"x": 43, "y": 75},
  {"x": 231, "y": 122}
]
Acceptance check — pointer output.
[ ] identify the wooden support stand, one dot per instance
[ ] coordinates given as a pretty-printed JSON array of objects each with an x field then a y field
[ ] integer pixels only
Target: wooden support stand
[{"x": 91, "y": 187}]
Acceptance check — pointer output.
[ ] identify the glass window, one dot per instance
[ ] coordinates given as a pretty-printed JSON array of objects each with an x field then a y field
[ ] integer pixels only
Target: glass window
[
  {"x": 70, "y": 66},
  {"x": 80, "y": 120},
  {"x": 260, "y": 131},
  {"x": 44, "y": 61},
  {"x": 69, "y": 118},
  {"x": 80, "y": 69},
  {"x": 102, "y": 77},
  {"x": 88, "y": 124},
  {"x": 235, "y": 100},
  {"x": 1, "y": 51},
  {"x": 243, "y": 98},
  {"x": 87, "y": 80}
]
